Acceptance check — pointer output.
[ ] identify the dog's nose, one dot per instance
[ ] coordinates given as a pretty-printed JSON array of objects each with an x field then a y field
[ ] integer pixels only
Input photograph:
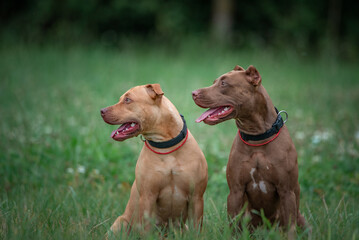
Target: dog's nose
[
  {"x": 103, "y": 111},
  {"x": 195, "y": 94}
]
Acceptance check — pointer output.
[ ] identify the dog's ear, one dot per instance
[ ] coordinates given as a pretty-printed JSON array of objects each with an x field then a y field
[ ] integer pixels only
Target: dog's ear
[
  {"x": 154, "y": 90},
  {"x": 253, "y": 76},
  {"x": 238, "y": 68}
]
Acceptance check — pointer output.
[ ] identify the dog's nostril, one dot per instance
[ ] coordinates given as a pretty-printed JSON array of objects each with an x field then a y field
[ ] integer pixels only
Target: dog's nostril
[
  {"x": 103, "y": 111},
  {"x": 195, "y": 94}
]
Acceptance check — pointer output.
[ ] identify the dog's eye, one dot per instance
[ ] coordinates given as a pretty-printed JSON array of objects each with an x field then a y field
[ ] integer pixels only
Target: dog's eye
[
  {"x": 223, "y": 83},
  {"x": 127, "y": 100}
]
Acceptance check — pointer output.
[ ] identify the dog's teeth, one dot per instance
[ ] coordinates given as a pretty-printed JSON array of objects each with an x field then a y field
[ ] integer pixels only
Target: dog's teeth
[
  {"x": 126, "y": 129},
  {"x": 226, "y": 108},
  {"x": 133, "y": 124},
  {"x": 117, "y": 132}
]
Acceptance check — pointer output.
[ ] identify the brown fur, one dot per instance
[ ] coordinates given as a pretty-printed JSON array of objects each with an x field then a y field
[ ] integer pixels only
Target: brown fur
[
  {"x": 167, "y": 188},
  {"x": 267, "y": 176}
]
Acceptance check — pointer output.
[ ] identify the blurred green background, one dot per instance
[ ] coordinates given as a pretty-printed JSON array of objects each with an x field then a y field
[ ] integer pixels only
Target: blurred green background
[
  {"x": 62, "y": 177},
  {"x": 302, "y": 25}
]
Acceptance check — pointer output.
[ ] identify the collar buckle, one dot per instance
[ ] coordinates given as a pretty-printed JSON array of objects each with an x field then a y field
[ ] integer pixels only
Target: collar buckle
[
  {"x": 286, "y": 115},
  {"x": 276, "y": 127}
]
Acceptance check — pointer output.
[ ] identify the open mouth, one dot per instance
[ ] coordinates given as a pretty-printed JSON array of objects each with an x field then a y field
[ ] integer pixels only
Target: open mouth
[
  {"x": 214, "y": 114},
  {"x": 125, "y": 131}
]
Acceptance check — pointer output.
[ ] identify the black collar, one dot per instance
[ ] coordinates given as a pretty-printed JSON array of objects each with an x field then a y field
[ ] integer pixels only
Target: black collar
[
  {"x": 277, "y": 125},
  {"x": 173, "y": 141}
]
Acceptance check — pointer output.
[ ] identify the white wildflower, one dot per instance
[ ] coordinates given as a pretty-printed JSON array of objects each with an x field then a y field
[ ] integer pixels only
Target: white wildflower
[
  {"x": 320, "y": 136},
  {"x": 326, "y": 135},
  {"x": 299, "y": 135},
  {"x": 70, "y": 170},
  {"x": 47, "y": 130},
  {"x": 316, "y": 139},
  {"x": 316, "y": 159},
  {"x": 71, "y": 121},
  {"x": 81, "y": 169}
]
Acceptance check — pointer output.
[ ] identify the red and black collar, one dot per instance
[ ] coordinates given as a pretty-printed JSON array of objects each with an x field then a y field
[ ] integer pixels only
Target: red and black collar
[
  {"x": 173, "y": 141},
  {"x": 170, "y": 143},
  {"x": 275, "y": 129}
]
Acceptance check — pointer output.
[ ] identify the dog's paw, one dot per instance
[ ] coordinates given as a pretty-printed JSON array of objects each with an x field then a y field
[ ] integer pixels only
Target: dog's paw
[{"x": 120, "y": 224}]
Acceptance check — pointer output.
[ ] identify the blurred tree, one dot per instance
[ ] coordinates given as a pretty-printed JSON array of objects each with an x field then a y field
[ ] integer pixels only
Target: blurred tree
[
  {"x": 303, "y": 25},
  {"x": 333, "y": 25},
  {"x": 222, "y": 20}
]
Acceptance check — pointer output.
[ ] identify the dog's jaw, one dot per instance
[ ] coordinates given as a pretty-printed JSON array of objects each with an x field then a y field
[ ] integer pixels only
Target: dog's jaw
[
  {"x": 125, "y": 131},
  {"x": 216, "y": 115}
]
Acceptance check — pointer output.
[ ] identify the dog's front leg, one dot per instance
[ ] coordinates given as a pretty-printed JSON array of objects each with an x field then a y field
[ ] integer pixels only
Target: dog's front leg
[
  {"x": 235, "y": 200},
  {"x": 195, "y": 210},
  {"x": 146, "y": 209},
  {"x": 288, "y": 210}
]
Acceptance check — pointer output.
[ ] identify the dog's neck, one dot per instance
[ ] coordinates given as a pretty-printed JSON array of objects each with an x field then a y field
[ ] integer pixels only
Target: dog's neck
[
  {"x": 166, "y": 125},
  {"x": 259, "y": 117}
]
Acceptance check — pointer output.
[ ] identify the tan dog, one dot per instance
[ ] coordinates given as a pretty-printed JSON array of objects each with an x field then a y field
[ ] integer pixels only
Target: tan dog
[
  {"x": 262, "y": 169},
  {"x": 170, "y": 180}
]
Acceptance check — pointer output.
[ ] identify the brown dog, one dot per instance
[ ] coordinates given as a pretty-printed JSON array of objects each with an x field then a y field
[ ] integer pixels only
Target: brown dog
[
  {"x": 262, "y": 168},
  {"x": 171, "y": 171}
]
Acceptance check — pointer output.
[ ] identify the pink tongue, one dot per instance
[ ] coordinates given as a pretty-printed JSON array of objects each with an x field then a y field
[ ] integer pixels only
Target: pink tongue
[
  {"x": 123, "y": 126},
  {"x": 206, "y": 114}
]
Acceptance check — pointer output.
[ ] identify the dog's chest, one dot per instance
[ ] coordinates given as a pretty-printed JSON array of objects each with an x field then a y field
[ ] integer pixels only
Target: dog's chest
[
  {"x": 259, "y": 174},
  {"x": 171, "y": 169},
  {"x": 258, "y": 181},
  {"x": 174, "y": 184}
]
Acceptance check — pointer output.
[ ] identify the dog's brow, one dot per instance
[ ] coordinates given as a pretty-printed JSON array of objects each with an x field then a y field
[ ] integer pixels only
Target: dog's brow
[{"x": 126, "y": 95}]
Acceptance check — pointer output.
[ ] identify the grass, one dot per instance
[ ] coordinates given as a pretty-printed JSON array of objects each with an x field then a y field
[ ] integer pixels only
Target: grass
[{"x": 61, "y": 177}]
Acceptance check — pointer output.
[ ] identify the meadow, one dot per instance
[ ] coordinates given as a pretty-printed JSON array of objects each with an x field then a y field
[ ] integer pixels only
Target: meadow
[{"x": 62, "y": 177}]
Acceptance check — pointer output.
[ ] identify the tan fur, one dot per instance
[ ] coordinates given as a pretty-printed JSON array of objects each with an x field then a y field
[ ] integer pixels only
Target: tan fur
[{"x": 167, "y": 188}]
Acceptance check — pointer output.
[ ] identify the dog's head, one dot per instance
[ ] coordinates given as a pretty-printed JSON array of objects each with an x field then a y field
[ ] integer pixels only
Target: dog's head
[
  {"x": 230, "y": 96},
  {"x": 134, "y": 111}
]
